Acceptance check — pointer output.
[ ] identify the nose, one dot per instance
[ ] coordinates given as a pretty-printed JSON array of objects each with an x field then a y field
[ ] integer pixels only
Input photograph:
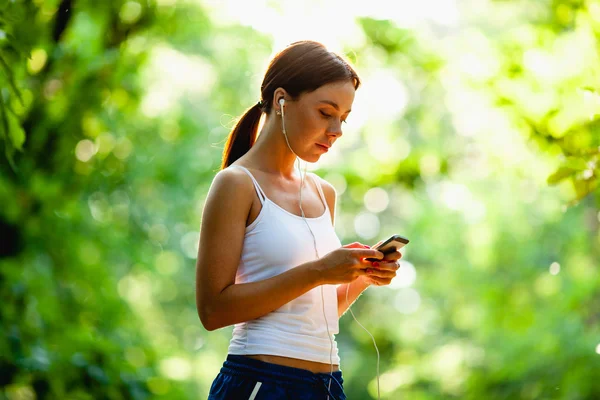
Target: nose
[{"x": 335, "y": 128}]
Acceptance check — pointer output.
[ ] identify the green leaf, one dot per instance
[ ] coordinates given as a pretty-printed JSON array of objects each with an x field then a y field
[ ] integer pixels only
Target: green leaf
[
  {"x": 11, "y": 80},
  {"x": 576, "y": 163},
  {"x": 560, "y": 174},
  {"x": 15, "y": 132},
  {"x": 18, "y": 47},
  {"x": 584, "y": 187},
  {"x": 11, "y": 126},
  {"x": 589, "y": 88},
  {"x": 4, "y": 119},
  {"x": 8, "y": 150}
]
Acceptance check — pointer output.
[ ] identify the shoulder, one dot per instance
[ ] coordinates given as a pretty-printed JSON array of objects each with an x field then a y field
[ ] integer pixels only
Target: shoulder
[
  {"x": 235, "y": 177},
  {"x": 231, "y": 181}
]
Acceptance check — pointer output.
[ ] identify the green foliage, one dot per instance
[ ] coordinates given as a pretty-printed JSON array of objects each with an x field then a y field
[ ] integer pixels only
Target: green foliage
[
  {"x": 113, "y": 117},
  {"x": 14, "y": 51},
  {"x": 567, "y": 121},
  {"x": 67, "y": 333}
]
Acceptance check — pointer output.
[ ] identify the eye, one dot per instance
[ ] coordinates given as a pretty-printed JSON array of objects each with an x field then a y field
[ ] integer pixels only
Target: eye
[{"x": 327, "y": 116}]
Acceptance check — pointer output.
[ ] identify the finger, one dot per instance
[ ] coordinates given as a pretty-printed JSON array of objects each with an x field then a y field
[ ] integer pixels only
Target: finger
[
  {"x": 384, "y": 265},
  {"x": 393, "y": 256},
  {"x": 367, "y": 253},
  {"x": 354, "y": 245},
  {"x": 380, "y": 273}
]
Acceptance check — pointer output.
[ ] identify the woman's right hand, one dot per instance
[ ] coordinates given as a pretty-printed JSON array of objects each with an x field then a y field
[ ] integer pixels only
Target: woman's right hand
[{"x": 346, "y": 264}]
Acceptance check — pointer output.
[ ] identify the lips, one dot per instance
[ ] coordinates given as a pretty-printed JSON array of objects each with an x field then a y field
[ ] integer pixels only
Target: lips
[{"x": 323, "y": 146}]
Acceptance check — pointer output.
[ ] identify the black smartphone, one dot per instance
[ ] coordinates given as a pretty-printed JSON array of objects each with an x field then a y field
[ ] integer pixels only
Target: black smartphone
[{"x": 393, "y": 243}]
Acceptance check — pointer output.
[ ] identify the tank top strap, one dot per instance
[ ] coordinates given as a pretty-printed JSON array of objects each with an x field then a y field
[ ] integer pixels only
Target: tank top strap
[
  {"x": 261, "y": 195},
  {"x": 315, "y": 178}
]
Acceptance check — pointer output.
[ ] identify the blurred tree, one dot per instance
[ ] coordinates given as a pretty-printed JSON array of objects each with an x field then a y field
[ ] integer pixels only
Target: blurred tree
[
  {"x": 66, "y": 332},
  {"x": 505, "y": 278}
]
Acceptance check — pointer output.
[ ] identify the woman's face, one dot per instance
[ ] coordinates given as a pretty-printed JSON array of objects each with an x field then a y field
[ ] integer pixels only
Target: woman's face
[{"x": 314, "y": 121}]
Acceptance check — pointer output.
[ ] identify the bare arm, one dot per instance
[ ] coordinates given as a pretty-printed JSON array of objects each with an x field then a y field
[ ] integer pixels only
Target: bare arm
[
  {"x": 220, "y": 302},
  {"x": 247, "y": 301},
  {"x": 355, "y": 290}
]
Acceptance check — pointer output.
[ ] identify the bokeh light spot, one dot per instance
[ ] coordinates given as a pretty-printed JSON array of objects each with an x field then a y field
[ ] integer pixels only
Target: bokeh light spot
[
  {"x": 407, "y": 301},
  {"x": 85, "y": 150},
  {"x": 366, "y": 225},
  {"x": 159, "y": 233},
  {"x": 339, "y": 183},
  {"x": 189, "y": 244},
  {"x": 130, "y": 12},
  {"x": 167, "y": 263},
  {"x": 123, "y": 148},
  {"x": 37, "y": 61},
  {"x": 405, "y": 276},
  {"x": 376, "y": 200},
  {"x": 158, "y": 385},
  {"x": 176, "y": 368},
  {"x": 135, "y": 356}
]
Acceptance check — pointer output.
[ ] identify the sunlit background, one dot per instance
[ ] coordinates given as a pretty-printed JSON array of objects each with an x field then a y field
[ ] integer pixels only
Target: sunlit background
[{"x": 475, "y": 133}]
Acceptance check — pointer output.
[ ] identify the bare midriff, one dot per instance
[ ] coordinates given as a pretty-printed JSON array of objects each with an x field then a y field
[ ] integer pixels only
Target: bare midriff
[{"x": 312, "y": 366}]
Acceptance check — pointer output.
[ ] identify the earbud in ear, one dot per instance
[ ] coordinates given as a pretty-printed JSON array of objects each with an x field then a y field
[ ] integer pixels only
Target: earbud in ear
[{"x": 281, "y": 101}]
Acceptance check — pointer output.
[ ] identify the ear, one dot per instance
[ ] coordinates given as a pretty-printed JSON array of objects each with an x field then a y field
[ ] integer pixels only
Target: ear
[{"x": 278, "y": 94}]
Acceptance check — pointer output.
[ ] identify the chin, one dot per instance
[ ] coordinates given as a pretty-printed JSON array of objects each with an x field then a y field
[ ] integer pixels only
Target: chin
[{"x": 311, "y": 158}]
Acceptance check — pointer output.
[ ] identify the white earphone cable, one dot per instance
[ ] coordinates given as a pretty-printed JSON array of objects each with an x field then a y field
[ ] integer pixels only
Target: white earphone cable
[{"x": 302, "y": 178}]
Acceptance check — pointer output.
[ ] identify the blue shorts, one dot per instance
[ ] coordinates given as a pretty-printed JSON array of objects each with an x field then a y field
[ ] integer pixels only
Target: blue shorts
[{"x": 243, "y": 378}]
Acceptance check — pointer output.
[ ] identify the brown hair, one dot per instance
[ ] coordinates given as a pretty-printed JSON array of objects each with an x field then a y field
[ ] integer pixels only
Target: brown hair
[{"x": 299, "y": 68}]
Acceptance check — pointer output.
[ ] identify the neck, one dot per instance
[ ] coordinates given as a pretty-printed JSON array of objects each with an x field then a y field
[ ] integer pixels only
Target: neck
[{"x": 270, "y": 152}]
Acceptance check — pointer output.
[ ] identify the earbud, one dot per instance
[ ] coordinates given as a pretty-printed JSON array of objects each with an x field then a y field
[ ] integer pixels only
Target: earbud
[{"x": 281, "y": 103}]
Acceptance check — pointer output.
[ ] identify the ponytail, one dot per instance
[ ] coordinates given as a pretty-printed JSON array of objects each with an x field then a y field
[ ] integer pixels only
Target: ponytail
[{"x": 242, "y": 137}]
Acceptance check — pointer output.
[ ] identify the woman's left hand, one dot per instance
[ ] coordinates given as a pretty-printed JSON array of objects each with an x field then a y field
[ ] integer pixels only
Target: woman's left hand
[{"x": 383, "y": 271}]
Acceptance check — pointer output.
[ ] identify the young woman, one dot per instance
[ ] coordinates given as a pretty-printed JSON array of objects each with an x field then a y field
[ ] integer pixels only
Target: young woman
[{"x": 269, "y": 260}]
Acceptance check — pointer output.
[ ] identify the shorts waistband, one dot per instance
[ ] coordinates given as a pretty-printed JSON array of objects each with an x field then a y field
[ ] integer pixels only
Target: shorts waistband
[{"x": 236, "y": 364}]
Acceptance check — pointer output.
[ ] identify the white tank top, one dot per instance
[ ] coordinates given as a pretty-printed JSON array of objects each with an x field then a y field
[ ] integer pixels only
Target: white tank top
[{"x": 275, "y": 242}]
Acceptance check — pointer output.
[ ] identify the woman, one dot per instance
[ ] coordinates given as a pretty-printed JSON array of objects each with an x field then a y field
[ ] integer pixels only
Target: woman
[{"x": 271, "y": 263}]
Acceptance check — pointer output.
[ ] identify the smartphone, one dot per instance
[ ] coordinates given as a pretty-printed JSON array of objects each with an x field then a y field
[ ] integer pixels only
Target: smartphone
[{"x": 393, "y": 243}]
